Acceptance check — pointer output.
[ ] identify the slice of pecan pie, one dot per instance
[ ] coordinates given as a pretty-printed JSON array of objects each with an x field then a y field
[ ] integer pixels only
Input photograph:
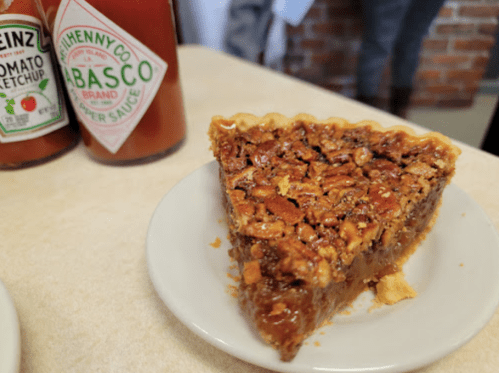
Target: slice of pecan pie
[{"x": 318, "y": 210}]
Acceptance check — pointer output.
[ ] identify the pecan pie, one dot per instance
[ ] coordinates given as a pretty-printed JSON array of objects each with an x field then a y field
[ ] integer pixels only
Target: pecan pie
[{"x": 318, "y": 210}]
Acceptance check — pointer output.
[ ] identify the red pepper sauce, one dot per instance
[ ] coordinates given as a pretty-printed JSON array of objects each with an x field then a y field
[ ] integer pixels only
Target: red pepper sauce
[{"x": 162, "y": 127}]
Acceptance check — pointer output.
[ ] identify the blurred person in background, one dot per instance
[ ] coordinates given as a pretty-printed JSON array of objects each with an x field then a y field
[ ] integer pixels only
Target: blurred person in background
[
  {"x": 393, "y": 28},
  {"x": 248, "y": 27},
  {"x": 256, "y": 29}
]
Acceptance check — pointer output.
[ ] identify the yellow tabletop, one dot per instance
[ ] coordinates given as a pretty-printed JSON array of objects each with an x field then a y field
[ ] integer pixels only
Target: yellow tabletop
[{"x": 72, "y": 247}]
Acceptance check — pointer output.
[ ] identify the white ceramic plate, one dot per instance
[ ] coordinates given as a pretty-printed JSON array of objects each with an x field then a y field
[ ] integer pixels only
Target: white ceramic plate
[
  {"x": 10, "y": 346},
  {"x": 454, "y": 272}
]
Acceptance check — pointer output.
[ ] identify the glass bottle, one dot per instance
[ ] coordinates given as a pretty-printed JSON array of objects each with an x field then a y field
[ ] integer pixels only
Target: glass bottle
[
  {"x": 119, "y": 63},
  {"x": 35, "y": 123}
]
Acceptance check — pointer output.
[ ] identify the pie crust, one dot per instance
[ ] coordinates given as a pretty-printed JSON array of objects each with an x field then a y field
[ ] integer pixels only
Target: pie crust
[{"x": 320, "y": 210}]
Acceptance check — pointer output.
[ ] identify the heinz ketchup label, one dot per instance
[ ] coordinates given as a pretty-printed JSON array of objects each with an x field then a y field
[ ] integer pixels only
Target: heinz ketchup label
[
  {"x": 31, "y": 103},
  {"x": 111, "y": 77}
]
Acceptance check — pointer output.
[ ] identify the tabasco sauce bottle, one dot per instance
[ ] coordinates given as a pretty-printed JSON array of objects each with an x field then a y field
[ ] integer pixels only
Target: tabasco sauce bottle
[
  {"x": 119, "y": 63},
  {"x": 35, "y": 124}
]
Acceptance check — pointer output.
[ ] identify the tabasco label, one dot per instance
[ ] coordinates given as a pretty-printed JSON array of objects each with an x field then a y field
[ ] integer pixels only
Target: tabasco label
[
  {"x": 31, "y": 101},
  {"x": 111, "y": 77}
]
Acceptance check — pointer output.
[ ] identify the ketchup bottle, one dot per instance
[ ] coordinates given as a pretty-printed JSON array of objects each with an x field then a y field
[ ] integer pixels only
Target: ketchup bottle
[
  {"x": 35, "y": 124},
  {"x": 119, "y": 63}
]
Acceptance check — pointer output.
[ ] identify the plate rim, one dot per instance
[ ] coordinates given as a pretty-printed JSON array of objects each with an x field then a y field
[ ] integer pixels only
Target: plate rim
[{"x": 13, "y": 336}]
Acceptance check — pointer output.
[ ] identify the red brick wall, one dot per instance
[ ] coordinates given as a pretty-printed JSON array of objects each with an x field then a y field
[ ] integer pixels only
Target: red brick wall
[{"x": 323, "y": 50}]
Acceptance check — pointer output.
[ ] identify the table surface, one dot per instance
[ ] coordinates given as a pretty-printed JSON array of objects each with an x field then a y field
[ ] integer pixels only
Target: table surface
[{"x": 72, "y": 252}]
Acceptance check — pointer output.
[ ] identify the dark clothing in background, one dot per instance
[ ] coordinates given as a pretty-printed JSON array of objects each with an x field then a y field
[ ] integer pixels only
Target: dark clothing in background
[{"x": 397, "y": 28}]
